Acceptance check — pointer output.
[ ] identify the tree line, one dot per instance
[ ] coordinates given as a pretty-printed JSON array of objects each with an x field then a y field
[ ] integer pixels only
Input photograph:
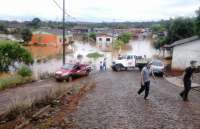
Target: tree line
[{"x": 177, "y": 29}]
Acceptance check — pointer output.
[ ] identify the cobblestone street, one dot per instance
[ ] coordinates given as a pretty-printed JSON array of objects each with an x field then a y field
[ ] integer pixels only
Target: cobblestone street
[{"x": 114, "y": 104}]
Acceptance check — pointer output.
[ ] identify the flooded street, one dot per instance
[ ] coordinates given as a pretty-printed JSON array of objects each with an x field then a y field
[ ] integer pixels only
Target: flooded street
[{"x": 138, "y": 47}]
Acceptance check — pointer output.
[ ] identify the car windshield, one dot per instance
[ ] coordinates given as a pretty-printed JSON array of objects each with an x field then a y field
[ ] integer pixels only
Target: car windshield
[
  {"x": 157, "y": 63},
  {"x": 68, "y": 66}
]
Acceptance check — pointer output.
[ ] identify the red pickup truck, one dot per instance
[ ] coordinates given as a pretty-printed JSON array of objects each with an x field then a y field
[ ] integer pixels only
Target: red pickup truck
[{"x": 70, "y": 71}]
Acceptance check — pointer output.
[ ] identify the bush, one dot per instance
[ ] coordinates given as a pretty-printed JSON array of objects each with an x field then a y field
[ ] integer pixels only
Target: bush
[
  {"x": 25, "y": 71},
  {"x": 125, "y": 37},
  {"x": 94, "y": 55},
  {"x": 12, "y": 52}
]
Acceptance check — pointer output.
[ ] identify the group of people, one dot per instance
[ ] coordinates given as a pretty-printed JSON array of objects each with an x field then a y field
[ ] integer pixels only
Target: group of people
[
  {"x": 187, "y": 80},
  {"x": 103, "y": 66}
]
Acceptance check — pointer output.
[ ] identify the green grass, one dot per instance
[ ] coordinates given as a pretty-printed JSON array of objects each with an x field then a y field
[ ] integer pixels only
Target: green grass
[
  {"x": 12, "y": 81},
  {"x": 94, "y": 55}
]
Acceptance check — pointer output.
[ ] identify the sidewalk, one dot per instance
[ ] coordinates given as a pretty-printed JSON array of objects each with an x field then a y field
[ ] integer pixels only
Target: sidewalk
[{"x": 178, "y": 80}]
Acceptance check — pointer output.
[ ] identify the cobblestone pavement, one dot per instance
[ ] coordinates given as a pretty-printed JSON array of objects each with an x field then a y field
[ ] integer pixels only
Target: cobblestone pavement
[{"x": 114, "y": 104}]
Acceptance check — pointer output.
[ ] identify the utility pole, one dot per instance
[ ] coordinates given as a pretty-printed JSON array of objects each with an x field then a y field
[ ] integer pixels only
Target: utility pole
[{"x": 64, "y": 39}]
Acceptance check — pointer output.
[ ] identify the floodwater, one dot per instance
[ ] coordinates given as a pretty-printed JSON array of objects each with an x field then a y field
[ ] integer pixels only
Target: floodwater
[{"x": 138, "y": 47}]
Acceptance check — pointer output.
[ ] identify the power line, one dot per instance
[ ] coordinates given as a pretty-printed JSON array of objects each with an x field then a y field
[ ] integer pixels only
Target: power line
[{"x": 67, "y": 14}]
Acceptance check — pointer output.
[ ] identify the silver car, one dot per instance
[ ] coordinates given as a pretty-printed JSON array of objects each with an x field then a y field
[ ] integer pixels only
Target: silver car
[{"x": 158, "y": 67}]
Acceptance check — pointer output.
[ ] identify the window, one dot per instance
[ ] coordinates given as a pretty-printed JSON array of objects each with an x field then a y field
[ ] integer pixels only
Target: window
[
  {"x": 108, "y": 39},
  {"x": 100, "y": 39}
]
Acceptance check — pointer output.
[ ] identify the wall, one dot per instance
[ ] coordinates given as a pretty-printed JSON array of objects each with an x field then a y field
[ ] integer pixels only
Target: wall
[
  {"x": 104, "y": 42},
  {"x": 183, "y": 54}
]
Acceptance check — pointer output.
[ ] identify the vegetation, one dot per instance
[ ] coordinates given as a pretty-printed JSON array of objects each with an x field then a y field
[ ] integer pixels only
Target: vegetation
[
  {"x": 160, "y": 42},
  {"x": 125, "y": 37},
  {"x": 13, "y": 81},
  {"x": 3, "y": 28},
  {"x": 118, "y": 45},
  {"x": 12, "y": 52},
  {"x": 94, "y": 55},
  {"x": 93, "y": 36},
  {"x": 25, "y": 71},
  {"x": 18, "y": 106},
  {"x": 180, "y": 28},
  {"x": 197, "y": 22},
  {"x": 36, "y": 23},
  {"x": 26, "y": 35},
  {"x": 158, "y": 28}
]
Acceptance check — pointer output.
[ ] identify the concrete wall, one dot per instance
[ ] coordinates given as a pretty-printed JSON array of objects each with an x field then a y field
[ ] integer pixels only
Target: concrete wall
[
  {"x": 102, "y": 41},
  {"x": 183, "y": 54}
]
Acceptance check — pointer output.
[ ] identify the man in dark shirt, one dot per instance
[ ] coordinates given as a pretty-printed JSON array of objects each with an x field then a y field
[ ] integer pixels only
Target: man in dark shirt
[{"x": 187, "y": 80}]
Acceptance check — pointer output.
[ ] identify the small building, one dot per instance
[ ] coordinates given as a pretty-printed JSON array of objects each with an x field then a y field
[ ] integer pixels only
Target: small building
[
  {"x": 102, "y": 30},
  {"x": 45, "y": 39},
  {"x": 183, "y": 51},
  {"x": 52, "y": 39},
  {"x": 80, "y": 30},
  {"x": 104, "y": 40}
]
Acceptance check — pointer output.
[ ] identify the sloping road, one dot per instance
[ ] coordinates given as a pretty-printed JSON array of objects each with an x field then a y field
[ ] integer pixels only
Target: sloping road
[{"x": 114, "y": 104}]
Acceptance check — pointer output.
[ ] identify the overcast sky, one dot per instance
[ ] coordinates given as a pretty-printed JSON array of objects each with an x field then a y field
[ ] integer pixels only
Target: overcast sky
[{"x": 98, "y": 10}]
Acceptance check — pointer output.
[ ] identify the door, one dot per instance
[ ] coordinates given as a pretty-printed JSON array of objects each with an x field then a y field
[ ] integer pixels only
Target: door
[{"x": 130, "y": 61}]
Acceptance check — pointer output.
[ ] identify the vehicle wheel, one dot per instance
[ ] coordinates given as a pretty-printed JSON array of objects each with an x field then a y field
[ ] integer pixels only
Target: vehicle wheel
[
  {"x": 59, "y": 80},
  {"x": 140, "y": 68},
  {"x": 161, "y": 74},
  {"x": 118, "y": 68}
]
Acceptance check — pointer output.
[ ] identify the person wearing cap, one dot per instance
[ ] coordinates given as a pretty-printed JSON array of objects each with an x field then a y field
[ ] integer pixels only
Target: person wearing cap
[
  {"x": 187, "y": 77},
  {"x": 145, "y": 80}
]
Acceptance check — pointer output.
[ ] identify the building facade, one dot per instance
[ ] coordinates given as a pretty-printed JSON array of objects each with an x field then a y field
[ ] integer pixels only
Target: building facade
[
  {"x": 184, "y": 51},
  {"x": 104, "y": 40}
]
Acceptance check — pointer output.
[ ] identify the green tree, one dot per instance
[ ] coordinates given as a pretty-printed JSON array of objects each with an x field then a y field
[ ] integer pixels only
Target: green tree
[
  {"x": 3, "y": 28},
  {"x": 158, "y": 28},
  {"x": 180, "y": 28},
  {"x": 11, "y": 52},
  {"x": 36, "y": 23},
  {"x": 160, "y": 42},
  {"x": 197, "y": 23},
  {"x": 26, "y": 35},
  {"x": 125, "y": 37},
  {"x": 92, "y": 36},
  {"x": 118, "y": 45}
]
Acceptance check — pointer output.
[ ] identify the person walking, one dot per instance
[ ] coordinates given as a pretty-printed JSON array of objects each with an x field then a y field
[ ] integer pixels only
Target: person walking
[
  {"x": 187, "y": 80},
  {"x": 104, "y": 64},
  {"x": 101, "y": 66},
  {"x": 145, "y": 80}
]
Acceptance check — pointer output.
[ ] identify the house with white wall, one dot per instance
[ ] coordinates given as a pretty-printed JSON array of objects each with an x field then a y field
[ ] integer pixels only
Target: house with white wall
[
  {"x": 104, "y": 40},
  {"x": 183, "y": 51}
]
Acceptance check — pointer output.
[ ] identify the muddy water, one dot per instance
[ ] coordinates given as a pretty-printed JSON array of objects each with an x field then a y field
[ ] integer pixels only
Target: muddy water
[{"x": 135, "y": 47}]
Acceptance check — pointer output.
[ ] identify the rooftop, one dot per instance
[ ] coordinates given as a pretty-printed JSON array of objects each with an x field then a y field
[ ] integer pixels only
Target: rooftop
[{"x": 184, "y": 41}]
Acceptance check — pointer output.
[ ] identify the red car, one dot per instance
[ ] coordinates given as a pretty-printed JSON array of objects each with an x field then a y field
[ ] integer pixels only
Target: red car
[{"x": 71, "y": 71}]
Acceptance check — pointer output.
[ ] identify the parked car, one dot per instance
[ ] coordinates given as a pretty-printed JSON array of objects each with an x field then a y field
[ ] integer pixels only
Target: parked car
[
  {"x": 70, "y": 71},
  {"x": 158, "y": 67}
]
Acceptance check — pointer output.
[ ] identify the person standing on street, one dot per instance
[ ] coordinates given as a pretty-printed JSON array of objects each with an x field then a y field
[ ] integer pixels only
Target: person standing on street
[
  {"x": 187, "y": 77},
  {"x": 104, "y": 64},
  {"x": 145, "y": 80},
  {"x": 101, "y": 66}
]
